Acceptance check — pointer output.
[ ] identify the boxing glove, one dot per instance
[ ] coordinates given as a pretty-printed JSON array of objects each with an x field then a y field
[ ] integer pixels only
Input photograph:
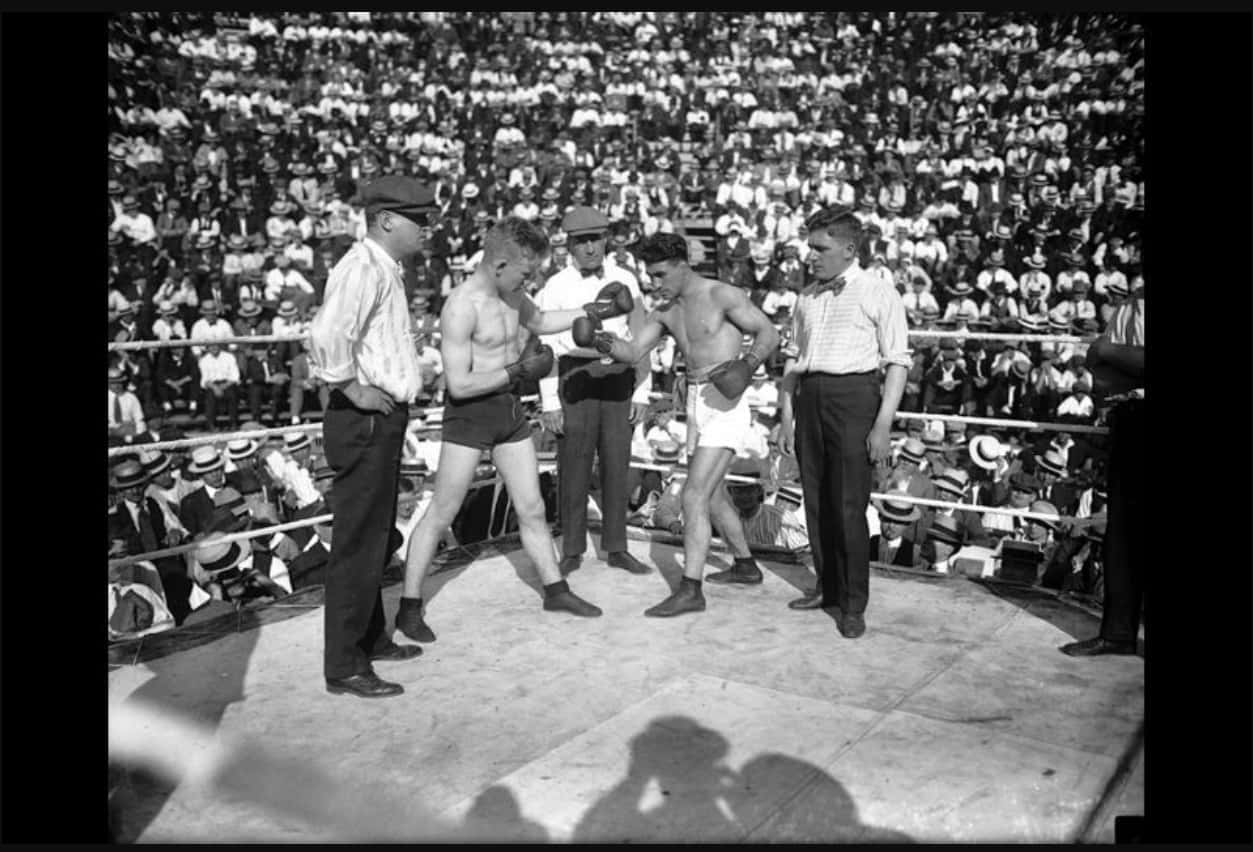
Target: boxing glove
[
  {"x": 536, "y": 362},
  {"x": 613, "y": 300},
  {"x": 731, "y": 378},
  {"x": 586, "y": 333}
]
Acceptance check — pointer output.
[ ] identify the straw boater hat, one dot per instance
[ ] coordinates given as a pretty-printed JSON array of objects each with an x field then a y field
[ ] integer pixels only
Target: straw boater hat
[
  {"x": 945, "y": 529},
  {"x": 296, "y": 441},
  {"x": 155, "y": 462},
  {"x": 790, "y": 492},
  {"x": 249, "y": 308},
  {"x": 204, "y": 460},
  {"x": 240, "y": 449},
  {"x": 666, "y": 452},
  {"x": 985, "y": 451},
  {"x": 953, "y": 481},
  {"x": 913, "y": 450},
  {"x": 1046, "y": 508},
  {"x": 1052, "y": 462},
  {"x": 286, "y": 309},
  {"x": 220, "y": 558},
  {"x": 897, "y": 511},
  {"x": 129, "y": 474}
]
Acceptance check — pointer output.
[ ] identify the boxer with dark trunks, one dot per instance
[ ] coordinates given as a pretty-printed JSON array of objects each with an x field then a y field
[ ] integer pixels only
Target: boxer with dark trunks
[{"x": 484, "y": 359}]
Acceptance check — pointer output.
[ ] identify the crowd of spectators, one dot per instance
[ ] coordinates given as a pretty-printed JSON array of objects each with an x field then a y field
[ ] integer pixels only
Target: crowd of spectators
[{"x": 994, "y": 158}]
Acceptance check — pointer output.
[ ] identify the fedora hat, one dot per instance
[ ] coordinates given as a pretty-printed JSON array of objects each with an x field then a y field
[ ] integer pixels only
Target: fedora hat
[
  {"x": 240, "y": 449},
  {"x": 946, "y": 529},
  {"x": 204, "y": 460},
  {"x": 287, "y": 308},
  {"x": 129, "y": 474},
  {"x": 237, "y": 242},
  {"x": 985, "y": 451},
  {"x": 897, "y": 511},
  {"x": 1021, "y": 367},
  {"x": 208, "y": 306},
  {"x": 249, "y": 308},
  {"x": 1034, "y": 261}
]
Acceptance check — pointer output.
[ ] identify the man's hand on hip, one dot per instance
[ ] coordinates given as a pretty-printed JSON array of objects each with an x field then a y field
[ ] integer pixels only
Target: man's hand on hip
[
  {"x": 638, "y": 409},
  {"x": 369, "y": 398}
]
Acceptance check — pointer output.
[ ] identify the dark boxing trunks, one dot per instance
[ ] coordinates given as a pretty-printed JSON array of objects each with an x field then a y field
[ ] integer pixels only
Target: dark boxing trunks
[{"x": 484, "y": 421}]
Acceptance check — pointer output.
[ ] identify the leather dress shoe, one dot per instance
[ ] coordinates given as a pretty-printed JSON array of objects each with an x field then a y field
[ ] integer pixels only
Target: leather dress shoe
[
  {"x": 1098, "y": 646},
  {"x": 811, "y": 600},
  {"x": 743, "y": 572},
  {"x": 569, "y": 564},
  {"x": 852, "y": 625},
  {"x": 367, "y": 685},
  {"x": 624, "y": 560},
  {"x": 685, "y": 599},
  {"x": 392, "y": 652}
]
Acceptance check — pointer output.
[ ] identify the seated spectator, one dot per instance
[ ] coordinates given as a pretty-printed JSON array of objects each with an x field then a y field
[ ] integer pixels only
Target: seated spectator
[
  {"x": 206, "y": 472},
  {"x": 302, "y": 381},
  {"x": 946, "y": 388},
  {"x": 210, "y": 326},
  {"x": 780, "y": 301},
  {"x": 168, "y": 325},
  {"x": 952, "y": 486},
  {"x": 893, "y": 545},
  {"x": 220, "y": 380},
  {"x": 1023, "y": 488},
  {"x": 231, "y": 572},
  {"x": 265, "y": 377},
  {"x": 177, "y": 380},
  {"x": 943, "y": 539},
  {"x": 144, "y": 525},
  {"x": 126, "y": 415},
  {"x": 1078, "y": 406},
  {"x": 779, "y": 522}
]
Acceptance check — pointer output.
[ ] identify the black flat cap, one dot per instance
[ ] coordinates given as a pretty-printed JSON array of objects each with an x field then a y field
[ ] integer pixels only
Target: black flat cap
[{"x": 404, "y": 195}]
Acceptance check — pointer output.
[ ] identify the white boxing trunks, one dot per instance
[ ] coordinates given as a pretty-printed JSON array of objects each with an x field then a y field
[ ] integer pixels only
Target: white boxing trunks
[{"x": 715, "y": 421}]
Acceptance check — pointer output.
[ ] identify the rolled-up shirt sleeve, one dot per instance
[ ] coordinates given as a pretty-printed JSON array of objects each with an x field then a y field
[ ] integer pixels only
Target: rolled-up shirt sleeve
[
  {"x": 892, "y": 330},
  {"x": 340, "y": 323}
]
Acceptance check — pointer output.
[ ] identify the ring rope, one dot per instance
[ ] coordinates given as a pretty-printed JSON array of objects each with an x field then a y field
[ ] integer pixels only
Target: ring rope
[
  {"x": 998, "y": 421},
  {"x": 132, "y": 345},
  {"x": 676, "y": 469}
]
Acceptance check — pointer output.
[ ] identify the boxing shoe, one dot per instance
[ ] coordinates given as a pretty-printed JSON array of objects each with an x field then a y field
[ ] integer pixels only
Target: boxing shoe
[
  {"x": 559, "y": 598},
  {"x": 569, "y": 564},
  {"x": 687, "y": 598},
  {"x": 392, "y": 653},
  {"x": 811, "y": 600},
  {"x": 624, "y": 560},
  {"x": 410, "y": 622},
  {"x": 744, "y": 572}
]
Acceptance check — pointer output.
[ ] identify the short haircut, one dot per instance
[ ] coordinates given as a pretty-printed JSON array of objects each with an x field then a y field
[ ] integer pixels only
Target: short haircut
[
  {"x": 662, "y": 247},
  {"x": 838, "y": 222},
  {"x": 514, "y": 235}
]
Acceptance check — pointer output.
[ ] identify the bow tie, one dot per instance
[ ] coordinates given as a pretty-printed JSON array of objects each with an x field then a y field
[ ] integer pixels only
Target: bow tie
[
  {"x": 593, "y": 273},
  {"x": 833, "y": 286}
]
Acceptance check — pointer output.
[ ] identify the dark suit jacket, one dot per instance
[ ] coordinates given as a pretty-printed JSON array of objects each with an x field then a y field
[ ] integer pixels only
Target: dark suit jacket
[
  {"x": 122, "y": 526},
  {"x": 196, "y": 512},
  {"x": 971, "y": 526},
  {"x": 904, "y": 554}
]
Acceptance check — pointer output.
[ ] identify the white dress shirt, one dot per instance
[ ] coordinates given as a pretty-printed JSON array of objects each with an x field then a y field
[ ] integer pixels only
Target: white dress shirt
[
  {"x": 854, "y": 332},
  {"x": 125, "y": 408},
  {"x": 569, "y": 290},
  {"x": 222, "y": 367}
]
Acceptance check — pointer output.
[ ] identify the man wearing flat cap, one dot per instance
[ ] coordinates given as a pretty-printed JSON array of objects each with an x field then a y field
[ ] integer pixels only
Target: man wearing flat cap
[
  {"x": 361, "y": 345},
  {"x": 592, "y": 406}
]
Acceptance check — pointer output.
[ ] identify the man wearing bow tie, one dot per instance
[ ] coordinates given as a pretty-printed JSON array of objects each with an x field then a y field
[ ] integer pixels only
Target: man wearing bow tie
[
  {"x": 837, "y": 412},
  {"x": 592, "y": 405}
]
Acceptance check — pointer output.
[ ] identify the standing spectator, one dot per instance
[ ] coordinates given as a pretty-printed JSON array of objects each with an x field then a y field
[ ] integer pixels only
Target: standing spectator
[
  {"x": 836, "y": 367},
  {"x": 592, "y": 406}
]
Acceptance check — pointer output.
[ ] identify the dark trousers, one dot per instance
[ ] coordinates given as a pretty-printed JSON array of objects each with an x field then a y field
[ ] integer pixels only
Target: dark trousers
[
  {"x": 211, "y": 403},
  {"x": 363, "y": 448},
  {"x": 1124, "y": 532},
  {"x": 264, "y": 394},
  {"x": 833, "y": 418},
  {"x": 596, "y": 405}
]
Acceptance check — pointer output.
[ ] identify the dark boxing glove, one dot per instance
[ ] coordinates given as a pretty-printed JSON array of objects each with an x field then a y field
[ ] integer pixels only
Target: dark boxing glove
[
  {"x": 613, "y": 300},
  {"x": 536, "y": 362},
  {"x": 586, "y": 333},
  {"x": 731, "y": 378}
]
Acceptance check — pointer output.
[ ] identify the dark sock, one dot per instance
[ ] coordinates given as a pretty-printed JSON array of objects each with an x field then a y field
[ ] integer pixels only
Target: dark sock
[
  {"x": 557, "y": 588},
  {"x": 745, "y": 562},
  {"x": 688, "y": 583},
  {"x": 411, "y": 603}
]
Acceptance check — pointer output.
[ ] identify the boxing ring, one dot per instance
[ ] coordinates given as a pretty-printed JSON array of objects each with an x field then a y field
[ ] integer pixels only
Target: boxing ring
[{"x": 954, "y": 718}]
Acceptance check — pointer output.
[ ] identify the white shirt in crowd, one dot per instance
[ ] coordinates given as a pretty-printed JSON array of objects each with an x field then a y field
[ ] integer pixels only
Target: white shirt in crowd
[{"x": 222, "y": 367}]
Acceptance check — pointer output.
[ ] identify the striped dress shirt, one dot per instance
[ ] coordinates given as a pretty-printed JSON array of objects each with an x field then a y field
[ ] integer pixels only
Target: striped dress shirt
[
  {"x": 857, "y": 330},
  {"x": 1126, "y": 328},
  {"x": 364, "y": 330}
]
